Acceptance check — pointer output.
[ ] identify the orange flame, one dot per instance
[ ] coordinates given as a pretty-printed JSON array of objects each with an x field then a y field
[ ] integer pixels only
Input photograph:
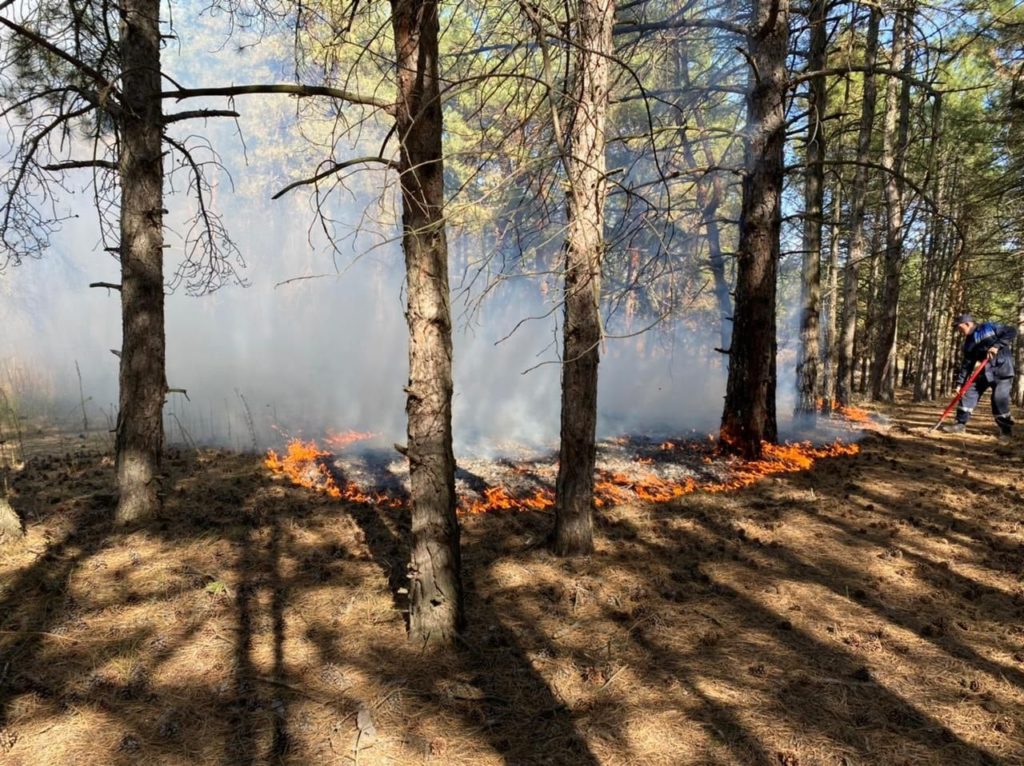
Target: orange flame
[
  {"x": 500, "y": 499},
  {"x": 852, "y": 414},
  {"x": 304, "y": 464},
  {"x": 342, "y": 440}
]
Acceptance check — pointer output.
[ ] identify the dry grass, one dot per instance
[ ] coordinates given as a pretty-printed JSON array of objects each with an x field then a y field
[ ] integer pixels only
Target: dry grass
[{"x": 867, "y": 611}]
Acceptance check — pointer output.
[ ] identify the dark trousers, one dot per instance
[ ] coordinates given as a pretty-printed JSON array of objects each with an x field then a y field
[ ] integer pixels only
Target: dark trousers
[{"x": 1000, "y": 400}]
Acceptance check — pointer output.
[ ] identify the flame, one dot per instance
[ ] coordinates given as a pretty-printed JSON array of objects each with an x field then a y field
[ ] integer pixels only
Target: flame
[
  {"x": 854, "y": 414},
  {"x": 500, "y": 499},
  {"x": 341, "y": 440},
  {"x": 851, "y": 414},
  {"x": 305, "y": 464}
]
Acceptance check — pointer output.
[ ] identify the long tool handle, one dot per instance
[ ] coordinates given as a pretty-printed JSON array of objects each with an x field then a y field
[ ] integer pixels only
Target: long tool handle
[{"x": 961, "y": 392}]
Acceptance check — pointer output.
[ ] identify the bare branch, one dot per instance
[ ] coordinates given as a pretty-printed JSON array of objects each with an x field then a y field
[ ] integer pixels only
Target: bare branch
[
  {"x": 74, "y": 164},
  {"x": 334, "y": 168},
  {"x": 199, "y": 114},
  {"x": 302, "y": 91}
]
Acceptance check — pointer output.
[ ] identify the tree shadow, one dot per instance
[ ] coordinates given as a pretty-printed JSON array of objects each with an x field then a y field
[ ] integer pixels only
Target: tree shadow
[
  {"x": 822, "y": 666},
  {"x": 497, "y": 672}
]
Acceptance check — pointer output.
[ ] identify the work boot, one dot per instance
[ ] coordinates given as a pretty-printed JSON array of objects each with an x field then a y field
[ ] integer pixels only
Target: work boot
[
  {"x": 955, "y": 428},
  {"x": 1005, "y": 433}
]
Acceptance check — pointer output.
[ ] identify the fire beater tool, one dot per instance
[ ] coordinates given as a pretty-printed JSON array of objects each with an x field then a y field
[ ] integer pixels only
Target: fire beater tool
[{"x": 961, "y": 392}]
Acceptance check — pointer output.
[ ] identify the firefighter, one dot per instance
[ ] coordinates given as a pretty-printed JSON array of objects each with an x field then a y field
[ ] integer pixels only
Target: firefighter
[{"x": 994, "y": 342}]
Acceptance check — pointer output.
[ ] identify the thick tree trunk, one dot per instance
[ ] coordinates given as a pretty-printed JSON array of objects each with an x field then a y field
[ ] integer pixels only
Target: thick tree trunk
[
  {"x": 814, "y": 197},
  {"x": 894, "y": 146},
  {"x": 585, "y": 168},
  {"x": 748, "y": 418},
  {"x": 11, "y": 529},
  {"x": 140, "y": 433},
  {"x": 858, "y": 196},
  {"x": 435, "y": 569},
  {"x": 10, "y": 524}
]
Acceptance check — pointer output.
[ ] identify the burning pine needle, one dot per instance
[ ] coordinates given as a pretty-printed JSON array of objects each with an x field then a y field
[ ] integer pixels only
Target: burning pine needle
[{"x": 305, "y": 464}]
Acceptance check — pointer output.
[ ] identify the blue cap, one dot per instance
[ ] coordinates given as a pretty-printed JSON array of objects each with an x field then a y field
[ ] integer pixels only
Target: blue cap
[{"x": 964, "y": 319}]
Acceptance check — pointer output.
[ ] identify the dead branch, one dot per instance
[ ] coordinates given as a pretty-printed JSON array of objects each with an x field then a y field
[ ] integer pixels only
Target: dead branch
[
  {"x": 199, "y": 114},
  {"x": 302, "y": 91}
]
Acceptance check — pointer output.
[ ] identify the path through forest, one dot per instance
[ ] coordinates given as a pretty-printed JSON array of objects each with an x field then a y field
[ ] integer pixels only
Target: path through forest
[{"x": 869, "y": 610}]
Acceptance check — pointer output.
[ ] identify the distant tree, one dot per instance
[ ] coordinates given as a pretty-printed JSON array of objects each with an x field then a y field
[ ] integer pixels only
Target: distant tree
[
  {"x": 814, "y": 198},
  {"x": 856, "y": 236},
  {"x": 895, "y": 139}
]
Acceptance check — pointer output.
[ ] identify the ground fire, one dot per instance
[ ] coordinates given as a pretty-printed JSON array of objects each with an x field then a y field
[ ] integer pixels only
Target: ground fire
[{"x": 630, "y": 470}]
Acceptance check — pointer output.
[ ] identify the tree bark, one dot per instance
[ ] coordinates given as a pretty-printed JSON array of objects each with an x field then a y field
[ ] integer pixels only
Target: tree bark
[
  {"x": 140, "y": 434},
  {"x": 814, "y": 197},
  {"x": 584, "y": 249},
  {"x": 894, "y": 146},
  {"x": 748, "y": 418},
  {"x": 858, "y": 196},
  {"x": 830, "y": 355},
  {"x": 435, "y": 570},
  {"x": 932, "y": 276},
  {"x": 11, "y": 529}
]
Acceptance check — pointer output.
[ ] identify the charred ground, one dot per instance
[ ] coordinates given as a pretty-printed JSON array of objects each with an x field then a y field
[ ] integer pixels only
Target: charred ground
[{"x": 868, "y": 610}]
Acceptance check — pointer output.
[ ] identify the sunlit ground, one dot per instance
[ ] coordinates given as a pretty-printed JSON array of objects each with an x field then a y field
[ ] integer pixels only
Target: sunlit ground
[{"x": 865, "y": 610}]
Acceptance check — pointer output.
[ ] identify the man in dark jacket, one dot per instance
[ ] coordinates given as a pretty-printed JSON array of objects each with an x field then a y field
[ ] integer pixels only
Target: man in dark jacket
[{"x": 994, "y": 342}]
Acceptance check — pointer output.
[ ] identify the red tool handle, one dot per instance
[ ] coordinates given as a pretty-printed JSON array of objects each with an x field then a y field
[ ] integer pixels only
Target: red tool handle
[{"x": 962, "y": 391}]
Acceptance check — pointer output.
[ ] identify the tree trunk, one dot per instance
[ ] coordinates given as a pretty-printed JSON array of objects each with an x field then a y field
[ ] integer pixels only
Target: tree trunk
[
  {"x": 710, "y": 191},
  {"x": 11, "y": 529},
  {"x": 858, "y": 195},
  {"x": 435, "y": 569},
  {"x": 814, "y": 197},
  {"x": 869, "y": 328},
  {"x": 585, "y": 168},
  {"x": 748, "y": 418},
  {"x": 894, "y": 146},
  {"x": 140, "y": 432},
  {"x": 932, "y": 280},
  {"x": 830, "y": 356}
]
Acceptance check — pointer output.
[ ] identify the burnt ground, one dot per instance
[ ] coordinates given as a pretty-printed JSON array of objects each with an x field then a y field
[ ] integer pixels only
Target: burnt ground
[{"x": 868, "y": 610}]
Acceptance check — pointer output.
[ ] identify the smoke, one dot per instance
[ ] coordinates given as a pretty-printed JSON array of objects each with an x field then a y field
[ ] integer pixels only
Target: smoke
[{"x": 330, "y": 353}]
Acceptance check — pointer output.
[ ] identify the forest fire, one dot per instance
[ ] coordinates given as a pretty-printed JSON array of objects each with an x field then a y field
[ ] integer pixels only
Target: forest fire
[
  {"x": 306, "y": 465},
  {"x": 849, "y": 413},
  {"x": 673, "y": 470}
]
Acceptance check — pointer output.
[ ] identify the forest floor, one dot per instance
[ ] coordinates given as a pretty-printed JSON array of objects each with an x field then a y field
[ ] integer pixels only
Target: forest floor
[{"x": 868, "y": 610}]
